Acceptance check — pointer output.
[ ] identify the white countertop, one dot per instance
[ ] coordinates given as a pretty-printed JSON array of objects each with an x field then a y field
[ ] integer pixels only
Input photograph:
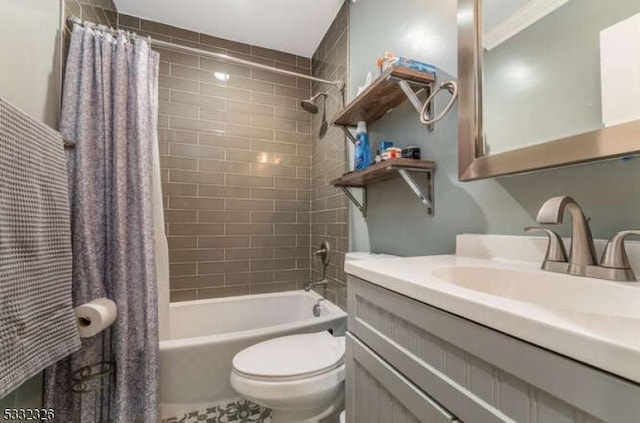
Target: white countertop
[{"x": 599, "y": 326}]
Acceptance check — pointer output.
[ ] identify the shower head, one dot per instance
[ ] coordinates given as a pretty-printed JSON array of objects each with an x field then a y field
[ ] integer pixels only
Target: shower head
[{"x": 311, "y": 105}]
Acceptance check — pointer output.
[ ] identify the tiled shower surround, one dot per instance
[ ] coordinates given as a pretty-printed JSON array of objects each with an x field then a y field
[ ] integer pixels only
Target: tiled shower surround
[
  {"x": 236, "y": 166},
  {"x": 243, "y": 211},
  {"x": 329, "y": 205}
]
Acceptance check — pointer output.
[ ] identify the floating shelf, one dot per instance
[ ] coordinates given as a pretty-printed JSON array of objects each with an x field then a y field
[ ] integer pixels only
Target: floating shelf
[
  {"x": 384, "y": 171},
  {"x": 383, "y": 95}
]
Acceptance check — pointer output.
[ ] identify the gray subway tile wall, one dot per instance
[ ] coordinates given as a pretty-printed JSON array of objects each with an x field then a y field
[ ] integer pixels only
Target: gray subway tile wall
[
  {"x": 238, "y": 159},
  {"x": 236, "y": 166},
  {"x": 329, "y": 206},
  {"x": 103, "y": 12}
]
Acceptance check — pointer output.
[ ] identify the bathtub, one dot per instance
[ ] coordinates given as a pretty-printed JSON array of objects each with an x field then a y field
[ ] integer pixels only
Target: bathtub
[{"x": 195, "y": 362}]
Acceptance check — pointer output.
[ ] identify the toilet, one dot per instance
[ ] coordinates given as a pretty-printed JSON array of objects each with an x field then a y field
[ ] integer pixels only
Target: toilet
[{"x": 299, "y": 377}]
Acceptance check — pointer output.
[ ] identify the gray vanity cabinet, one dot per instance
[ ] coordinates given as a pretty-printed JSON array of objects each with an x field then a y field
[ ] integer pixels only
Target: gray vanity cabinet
[{"x": 410, "y": 362}]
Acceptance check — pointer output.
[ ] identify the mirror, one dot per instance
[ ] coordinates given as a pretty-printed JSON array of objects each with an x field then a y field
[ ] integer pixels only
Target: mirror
[{"x": 547, "y": 83}]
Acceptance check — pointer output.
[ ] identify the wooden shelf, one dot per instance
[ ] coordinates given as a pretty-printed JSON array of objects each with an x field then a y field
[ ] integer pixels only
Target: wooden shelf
[
  {"x": 380, "y": 172},
  {"x": 381, "y": 96},
  {"x": 384, "y": 171}
]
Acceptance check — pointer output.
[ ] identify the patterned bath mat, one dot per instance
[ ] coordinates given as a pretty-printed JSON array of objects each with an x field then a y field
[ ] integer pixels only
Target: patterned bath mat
[{"x": 235, "y": 411}]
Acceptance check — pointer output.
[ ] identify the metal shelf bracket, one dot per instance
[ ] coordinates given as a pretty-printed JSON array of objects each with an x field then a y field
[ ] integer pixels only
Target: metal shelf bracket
[
  {"x": 415, "y": 101},
  {"x": 348, "y": 133},
  {"x": 361, "y": 206},
  {"x": 425, "y": 198}
]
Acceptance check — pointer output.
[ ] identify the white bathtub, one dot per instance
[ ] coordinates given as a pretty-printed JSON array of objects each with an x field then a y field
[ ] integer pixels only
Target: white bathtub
[{"x": 195, "y": 362}]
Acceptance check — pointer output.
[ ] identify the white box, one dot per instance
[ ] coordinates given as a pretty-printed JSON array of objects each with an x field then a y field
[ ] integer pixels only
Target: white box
[{"x": 620, "y": 71}]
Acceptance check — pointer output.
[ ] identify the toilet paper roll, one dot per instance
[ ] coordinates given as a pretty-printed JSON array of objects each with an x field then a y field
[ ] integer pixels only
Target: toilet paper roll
[{"x": 95, "y": 316}]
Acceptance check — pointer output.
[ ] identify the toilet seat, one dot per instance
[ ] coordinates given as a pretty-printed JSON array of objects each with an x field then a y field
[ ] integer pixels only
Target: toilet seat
[{"x": 291, "y": 358}]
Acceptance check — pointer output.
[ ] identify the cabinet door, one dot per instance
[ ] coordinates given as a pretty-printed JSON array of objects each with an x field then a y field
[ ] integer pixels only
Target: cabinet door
[{"x": 377, "y": 393}]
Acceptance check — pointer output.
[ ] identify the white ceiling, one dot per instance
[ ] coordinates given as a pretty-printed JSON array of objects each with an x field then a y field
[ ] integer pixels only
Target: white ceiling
[{"x": 293, "y": 26}]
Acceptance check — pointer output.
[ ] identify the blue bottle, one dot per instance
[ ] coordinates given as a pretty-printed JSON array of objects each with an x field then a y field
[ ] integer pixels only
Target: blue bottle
[{"x": 363, "y": 157}]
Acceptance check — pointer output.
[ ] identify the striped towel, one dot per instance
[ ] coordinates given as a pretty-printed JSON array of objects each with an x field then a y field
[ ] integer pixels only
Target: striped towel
[{"x": 37, "y": 326}]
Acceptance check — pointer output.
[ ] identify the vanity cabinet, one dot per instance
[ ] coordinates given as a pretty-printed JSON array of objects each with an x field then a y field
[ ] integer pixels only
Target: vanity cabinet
[{"x": 410, "y": 362}]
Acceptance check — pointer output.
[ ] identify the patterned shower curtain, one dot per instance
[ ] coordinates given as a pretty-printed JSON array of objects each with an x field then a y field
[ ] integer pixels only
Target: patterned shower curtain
[{"x": 110, "y": 110}]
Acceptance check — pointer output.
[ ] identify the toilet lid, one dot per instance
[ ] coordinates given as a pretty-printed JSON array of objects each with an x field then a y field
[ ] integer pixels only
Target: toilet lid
[{"x": 291, "y": 356}]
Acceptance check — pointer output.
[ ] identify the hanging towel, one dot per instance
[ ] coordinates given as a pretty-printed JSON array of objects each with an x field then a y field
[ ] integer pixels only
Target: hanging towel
[{"x": 37, "y": 326}]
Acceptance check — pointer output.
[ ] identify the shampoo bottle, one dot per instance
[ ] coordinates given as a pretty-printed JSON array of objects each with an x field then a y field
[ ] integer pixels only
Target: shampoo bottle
[{"x": 362, "y": 150}]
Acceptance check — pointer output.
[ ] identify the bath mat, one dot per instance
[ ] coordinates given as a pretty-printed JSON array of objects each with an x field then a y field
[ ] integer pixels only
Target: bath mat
[{"x": 234, "y": 411}]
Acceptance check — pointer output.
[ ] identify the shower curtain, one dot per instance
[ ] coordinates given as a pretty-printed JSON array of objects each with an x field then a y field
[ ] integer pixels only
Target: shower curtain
[{"x": 110, "y": 110}]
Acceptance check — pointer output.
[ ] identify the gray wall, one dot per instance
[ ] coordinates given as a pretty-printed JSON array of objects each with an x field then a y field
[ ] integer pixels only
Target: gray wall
[
  {"x": 329, "y": 212},
  {"x": 30, "y": 80},
  {"x": 29, "y": 44},
  {"x": 397, "y": 223}
]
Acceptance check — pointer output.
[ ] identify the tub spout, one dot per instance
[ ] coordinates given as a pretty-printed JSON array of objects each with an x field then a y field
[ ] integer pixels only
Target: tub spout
[{"x": 323, "y": 283}]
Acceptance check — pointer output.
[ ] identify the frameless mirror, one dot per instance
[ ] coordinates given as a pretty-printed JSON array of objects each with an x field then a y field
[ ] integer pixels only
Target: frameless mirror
[{"x": 546, "y": 83}]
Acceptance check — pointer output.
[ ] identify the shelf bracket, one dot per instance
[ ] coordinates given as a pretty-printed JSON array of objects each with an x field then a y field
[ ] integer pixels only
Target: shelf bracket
[
  {"x": 348, "y": 133},
  {"x": 415, "y": 101},
  {"x": 426, "y": 199},
  {"x": 361, "y": 206}
]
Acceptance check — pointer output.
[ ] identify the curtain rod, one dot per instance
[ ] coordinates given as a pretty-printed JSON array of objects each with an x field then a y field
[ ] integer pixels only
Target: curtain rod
[{"x": 220, "y": 56}]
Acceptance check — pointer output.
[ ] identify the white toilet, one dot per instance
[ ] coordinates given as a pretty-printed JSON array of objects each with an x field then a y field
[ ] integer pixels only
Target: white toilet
[{"x": 300, "y": 377}]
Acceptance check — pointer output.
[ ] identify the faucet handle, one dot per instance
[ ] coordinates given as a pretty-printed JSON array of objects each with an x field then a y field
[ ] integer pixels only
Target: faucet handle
[
  {"x": 555, "y": 250},
  {"x": 615, "y": 255},
  {"x": 324, "y": 252}
]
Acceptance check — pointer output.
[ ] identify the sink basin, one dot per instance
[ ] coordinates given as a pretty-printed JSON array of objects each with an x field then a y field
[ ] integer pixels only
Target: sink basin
[
  {"x": 496, "y": 281},
  {"x": 549, "y": 290}
]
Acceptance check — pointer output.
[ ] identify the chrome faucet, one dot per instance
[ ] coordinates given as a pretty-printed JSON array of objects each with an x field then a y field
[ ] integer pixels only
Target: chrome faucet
[
  {"x": 582, "y": 256},
  {"x": 582, "y": 253}
]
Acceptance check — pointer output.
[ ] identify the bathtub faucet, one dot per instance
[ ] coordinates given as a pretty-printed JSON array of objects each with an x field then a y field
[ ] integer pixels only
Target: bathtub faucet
[{"x": 323, "y": 283}]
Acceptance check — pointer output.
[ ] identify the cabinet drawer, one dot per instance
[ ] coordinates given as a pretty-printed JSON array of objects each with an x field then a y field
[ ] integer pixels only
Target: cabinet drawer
[
  {"x": 402, "y": 398},
  {"x": 479, "y": 374}
]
